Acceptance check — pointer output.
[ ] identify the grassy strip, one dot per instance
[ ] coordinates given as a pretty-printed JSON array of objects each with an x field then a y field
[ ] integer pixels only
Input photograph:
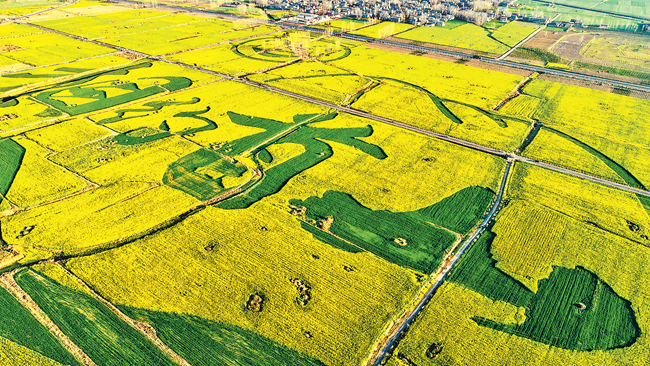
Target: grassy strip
[
  {"x": 613, "y": 70},
  {"x": 206, "y": 343},
  {"x": 92, "y": 326},
  {"x": 537, "y": 54},
  {"x": 619, "y": 169},
  {"x": 18, "y": 325},
  {"x": 530, "y": 137},
  {"x": 329, "y": 239}
]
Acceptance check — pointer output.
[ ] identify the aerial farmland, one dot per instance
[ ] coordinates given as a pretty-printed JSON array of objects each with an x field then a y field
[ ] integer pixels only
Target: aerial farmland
[{"x": 203, "y": 183}]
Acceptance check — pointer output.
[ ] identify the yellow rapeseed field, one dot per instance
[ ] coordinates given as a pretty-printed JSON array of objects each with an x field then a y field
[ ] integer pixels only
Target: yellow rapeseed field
[
  {"x": 29, "y": 188},
  {"x": 479, "y": 87},
  {"x": 236, "y": 253},
  {"x": 96, "y": 217},
  {"x": 588, "y": 202},
  {"x": 12, "y": 354},
  {"x": 105, "y": 163},
  {"x": 404, "y": 181},
  {"x": 550, "y": 147},
  {"x": 68, "y": 134}
]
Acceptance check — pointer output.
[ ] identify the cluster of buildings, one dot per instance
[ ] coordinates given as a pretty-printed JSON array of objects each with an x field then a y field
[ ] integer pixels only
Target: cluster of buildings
[{"x": 417, "y": 12}]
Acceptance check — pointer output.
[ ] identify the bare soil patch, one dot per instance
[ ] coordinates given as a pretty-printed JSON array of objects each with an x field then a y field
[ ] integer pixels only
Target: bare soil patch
[{"x": 544, "y": 39}]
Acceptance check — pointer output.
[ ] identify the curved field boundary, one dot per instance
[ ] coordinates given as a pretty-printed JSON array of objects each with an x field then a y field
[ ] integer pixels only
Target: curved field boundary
[
  {"x": 625, "y": 174},
  {"x": 11, "y": 157}
]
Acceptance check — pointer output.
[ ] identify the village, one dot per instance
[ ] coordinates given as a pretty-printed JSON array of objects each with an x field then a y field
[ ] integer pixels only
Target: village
[{"x": 416, "y": 12}]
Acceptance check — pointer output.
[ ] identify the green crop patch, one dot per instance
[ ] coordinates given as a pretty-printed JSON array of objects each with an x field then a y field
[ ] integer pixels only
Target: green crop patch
[
  {"x": 18, "y": 325},
  {"x": 11, "y": 156},
  {"x": 151, "y": 107},
  {"x": 403, "y": 238},
  {"x": 100, "y": 91},
  {"x": 206, "y": 343},
  {"x": 89, "y": 324},
  {"x": 316, "y": 151},
  {"x": 140, "y": 136},
  {"x": 201, "y": 174},
  {"x": 572, "y": 309},
  {"x": 460, "y": 211}
]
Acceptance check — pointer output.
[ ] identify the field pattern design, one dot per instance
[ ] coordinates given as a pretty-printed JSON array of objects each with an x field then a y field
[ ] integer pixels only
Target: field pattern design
[{"x": 572, "y": 309}]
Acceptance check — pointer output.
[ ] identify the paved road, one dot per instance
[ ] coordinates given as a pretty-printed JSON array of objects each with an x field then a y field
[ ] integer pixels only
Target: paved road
[
  {"x": 40, "y": 11},
  {"x": 581, "y": 175},
  {"x": 445, "y": 271},
  {"x": 355, "y": 112},
  {"x": 533, "y": 68},
  {"x": 594, "y": 10},
  {"x": 526, "y": 39}
]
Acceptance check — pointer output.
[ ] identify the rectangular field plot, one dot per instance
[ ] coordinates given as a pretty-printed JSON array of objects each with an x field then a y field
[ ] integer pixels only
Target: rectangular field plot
[
  {"x": 237, "y": 254},
  {"x": 479, "y": 87},
  {"x": 596, "y": 205},
  {"x": 51, "y": 74},
  {"x": 80, "y": 8},
  {"x": 29, "y": 188},
  {"x": 96, "y": 217},
  {"x": 468, "y": 36},
  {"x": 157, "y": 32},
  {"x": 48, "y": 48},
  {"x": 24, "y": 113},
  {"x": 316, "y": 80},
  {"x": 68, "y": 134},
  {"x": 383, "y": 29},
  {"x": 448, "y": 98},
  {"x": 540, "y": 288},
  {"x": 12, "y": 9},
  {"x": 601, "y": 126}
]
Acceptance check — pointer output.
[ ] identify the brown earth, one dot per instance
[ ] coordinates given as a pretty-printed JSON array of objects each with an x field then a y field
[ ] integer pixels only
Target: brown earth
[
  {"x": 570, "y": 46},
  {"x": 544, "y": 39}
]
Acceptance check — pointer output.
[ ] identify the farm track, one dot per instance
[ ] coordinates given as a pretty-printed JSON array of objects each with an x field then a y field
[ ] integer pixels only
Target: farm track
[
  {"x": 447, "y": 264},
  {"x": 38, "y": 12},
  {"x": 507, "y": 53},
  {"x": 594, "y": 10},
  {"x": 454, "y": 54},
  {"x": 8, "y": 283},
  {"x": 145, "y": 329},
  {"x": 358, "y": 113}
]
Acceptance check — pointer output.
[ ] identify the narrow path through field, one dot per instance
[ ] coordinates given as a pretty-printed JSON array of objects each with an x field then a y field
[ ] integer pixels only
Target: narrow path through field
[
  {"x": 448, "y": 263},
  {"x": 507, "y": 53},
  {"x": 145, "y": 329},
  {"x": 355, "y": 112},
  {"x": 8, "y": 283}
]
